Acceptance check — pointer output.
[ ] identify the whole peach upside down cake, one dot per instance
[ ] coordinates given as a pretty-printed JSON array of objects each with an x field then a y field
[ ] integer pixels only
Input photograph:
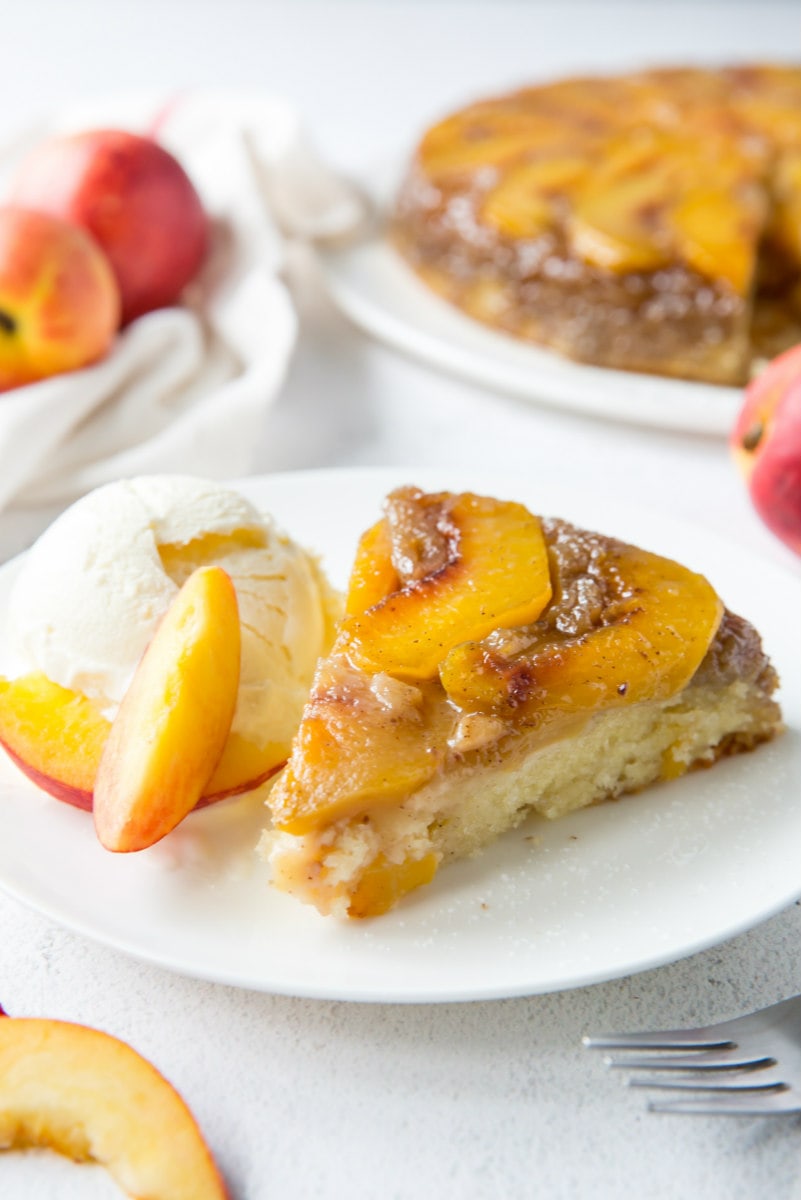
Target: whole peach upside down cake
[
  {"x": 650, "y": 222},
  {"x": 491, "y": 664}
]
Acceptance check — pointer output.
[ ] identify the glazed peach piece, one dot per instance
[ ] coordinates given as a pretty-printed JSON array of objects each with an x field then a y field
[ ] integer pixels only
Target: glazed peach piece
[
  {"x": 432, "y": 552},
  {"x": 175, "y": 717},
  {"x": 656, "y": 630},
  {"x": 384, "y": 883},
  {"x": 523, "y": 204},
  {"x": 439, "y": 548},
  {"x": 347, "y": 755},
  {"x": 373, "y": 576}
]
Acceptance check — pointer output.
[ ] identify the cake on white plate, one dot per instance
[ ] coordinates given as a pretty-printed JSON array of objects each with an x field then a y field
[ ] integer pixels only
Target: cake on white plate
[
  {"x": 646, "y": 222},
  {"x": 492, "y": 664}
]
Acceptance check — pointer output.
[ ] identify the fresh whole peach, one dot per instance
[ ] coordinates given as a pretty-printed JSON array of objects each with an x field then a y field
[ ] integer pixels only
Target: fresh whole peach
[
  {"x": 766, "y": 441},
  {"x": 135, "y": 199},
  {"x": 59, "y": 301}
]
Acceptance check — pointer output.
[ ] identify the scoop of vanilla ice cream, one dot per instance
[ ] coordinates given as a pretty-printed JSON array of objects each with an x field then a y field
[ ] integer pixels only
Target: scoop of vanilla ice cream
[{"x": 94, "y": 586}]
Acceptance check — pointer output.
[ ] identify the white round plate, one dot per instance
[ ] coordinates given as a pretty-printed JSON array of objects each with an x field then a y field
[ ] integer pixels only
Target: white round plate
[
  {"x": 598, "y": 895},
  {"x": 373, "y": 286}
]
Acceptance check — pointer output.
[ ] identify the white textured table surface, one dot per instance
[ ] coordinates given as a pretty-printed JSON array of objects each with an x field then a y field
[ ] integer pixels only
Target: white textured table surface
[{"x": 313, "y": 1099}]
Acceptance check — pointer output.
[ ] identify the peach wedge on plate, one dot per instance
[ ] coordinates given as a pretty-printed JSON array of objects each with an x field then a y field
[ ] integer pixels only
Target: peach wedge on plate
[
  {"x": 57, "y": 737},
  {"x": 91, "y": 1097},
  {"x": 174, "y": 720}
]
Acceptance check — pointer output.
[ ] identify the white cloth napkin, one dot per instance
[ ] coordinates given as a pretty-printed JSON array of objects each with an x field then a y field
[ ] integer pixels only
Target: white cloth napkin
[{"x": 184, "y": 388}]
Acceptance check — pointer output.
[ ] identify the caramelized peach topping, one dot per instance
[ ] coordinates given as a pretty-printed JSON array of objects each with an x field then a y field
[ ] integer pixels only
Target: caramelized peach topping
[
  {"x": 591, "y": 624},
  {"x": 650, "y": 624},
  {"x": 465, "y": 565}
]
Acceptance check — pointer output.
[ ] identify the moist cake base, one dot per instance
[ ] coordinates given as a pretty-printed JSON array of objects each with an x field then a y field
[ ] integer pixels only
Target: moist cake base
[{"x": 471, "y": 805}]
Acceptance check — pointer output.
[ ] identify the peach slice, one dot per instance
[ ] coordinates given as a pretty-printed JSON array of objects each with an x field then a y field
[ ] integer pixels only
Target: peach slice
[
  {"x": 522, "y": 205},
  {"x": 465, "y": 155},
  {"x": 785, "y": 219},
  {"x": 89, "y": 1096},
  {"x": 362, "y": 740},
  {"x": 717, "y": 233},
  {"x": 655, "y": 631},
  {"x": 615, "y": 224},
  {"x": 56, "y": 737},
  {"x": 384, "y": 883},
  {"x": 243, "y": 766},
  {"x": 373, "y": 576},
  {"x": 172, "y": 725},
  {"x": 484, "y": 137},
  {"x": 493, "y": 573}
]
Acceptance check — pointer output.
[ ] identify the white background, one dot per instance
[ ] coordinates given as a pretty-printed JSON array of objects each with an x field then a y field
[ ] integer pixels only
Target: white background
[{"x": 302, "y": 1098}]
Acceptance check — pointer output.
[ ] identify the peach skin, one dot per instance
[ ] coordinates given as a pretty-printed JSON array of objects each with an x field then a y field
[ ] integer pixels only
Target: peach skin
[
  {"x": 92, "y": 1098},
  {"x": 134, "y": 198},
  {"x": 174, "y": 720},
  {"x": 59, "y": 302}
]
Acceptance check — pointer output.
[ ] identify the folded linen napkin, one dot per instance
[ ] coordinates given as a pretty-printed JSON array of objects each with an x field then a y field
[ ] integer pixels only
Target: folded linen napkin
[{"x": 184, "y": 388}]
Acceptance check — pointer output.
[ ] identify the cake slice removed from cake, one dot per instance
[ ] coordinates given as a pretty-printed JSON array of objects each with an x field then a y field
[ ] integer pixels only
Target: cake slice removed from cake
[{"x": 493, "y": 664}]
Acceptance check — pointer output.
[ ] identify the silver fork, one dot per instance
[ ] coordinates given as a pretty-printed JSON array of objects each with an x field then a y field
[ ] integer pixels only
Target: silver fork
[{"x": 750, "y": 1066}]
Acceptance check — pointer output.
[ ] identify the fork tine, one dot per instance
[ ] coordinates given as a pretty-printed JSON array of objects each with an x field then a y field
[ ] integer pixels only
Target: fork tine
[
  {"x": 763, "y": 1104},
  {"x": 727, "y": 1060},
  {"x": 704, "y": 1085},
  {"x": 710, "y": 1037},
  {"x": 670, "y": 1039}
]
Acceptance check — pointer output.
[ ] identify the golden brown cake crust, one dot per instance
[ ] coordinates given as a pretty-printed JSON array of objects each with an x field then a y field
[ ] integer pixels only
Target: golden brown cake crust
[{"x": 649, "y": 222}]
